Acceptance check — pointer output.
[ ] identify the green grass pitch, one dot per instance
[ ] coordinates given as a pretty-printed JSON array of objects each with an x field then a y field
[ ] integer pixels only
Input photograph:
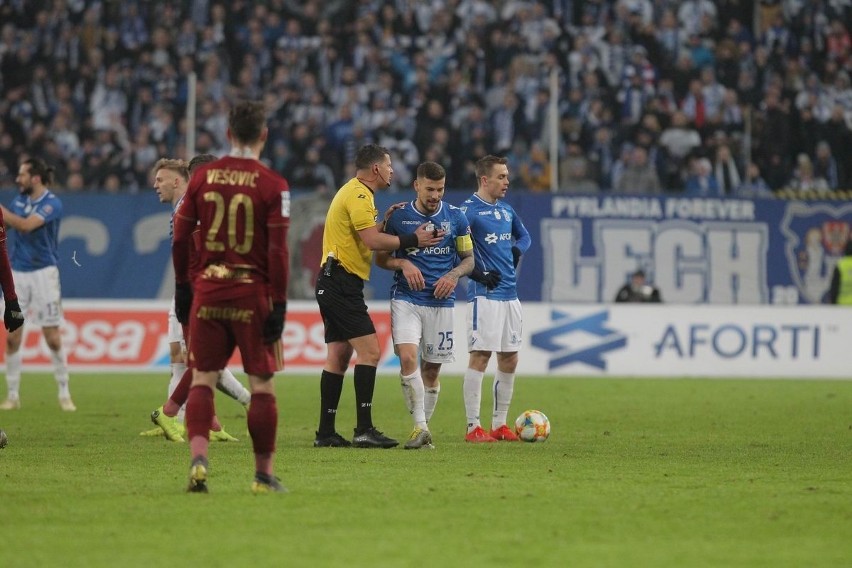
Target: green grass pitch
[{"x": 635, "y": 473}]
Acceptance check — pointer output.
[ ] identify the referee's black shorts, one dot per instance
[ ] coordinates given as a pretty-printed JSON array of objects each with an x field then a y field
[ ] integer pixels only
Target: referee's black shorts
[{"x": 340, "y": 296}]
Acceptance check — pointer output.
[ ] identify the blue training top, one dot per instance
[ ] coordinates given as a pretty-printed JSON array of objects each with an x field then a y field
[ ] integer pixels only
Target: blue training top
[
  {"x": 37, "y": 249},
  {"x": 495, "y": 229},
  {"x": 434, "y": 261}
]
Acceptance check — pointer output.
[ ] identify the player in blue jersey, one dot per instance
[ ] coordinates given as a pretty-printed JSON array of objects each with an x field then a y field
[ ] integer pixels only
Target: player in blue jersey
[
  {"x": 423, "y": 295},
  {"x": 35, "y": 215},
  {"x": 494, "y": 317}
]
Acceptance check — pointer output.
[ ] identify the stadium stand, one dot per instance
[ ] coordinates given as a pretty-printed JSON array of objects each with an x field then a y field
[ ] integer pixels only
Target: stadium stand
[{"x": 99, "y": 88}]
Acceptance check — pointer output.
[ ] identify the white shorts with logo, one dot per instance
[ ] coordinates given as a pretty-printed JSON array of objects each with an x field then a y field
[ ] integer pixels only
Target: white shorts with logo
[
  {"x": 40, "y": 296},
  {"x": 429, "y": 327},
  {"x": 494, "y": 325},
  {"x": 175, "y": 329}
]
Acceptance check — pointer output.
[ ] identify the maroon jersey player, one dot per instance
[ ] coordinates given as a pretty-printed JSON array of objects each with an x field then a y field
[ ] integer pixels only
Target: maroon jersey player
[{"x": 239, "y": 297}]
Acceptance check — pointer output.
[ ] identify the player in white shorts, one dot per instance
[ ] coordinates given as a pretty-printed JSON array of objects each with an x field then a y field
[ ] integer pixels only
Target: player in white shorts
[
  {"x": 40, "y": 292},
  {"x": 494, "y": 325},
  {"x": 35, "y": 215},
  {"x": 423, "y": 295},
  {"x": 494, "y": 322}
]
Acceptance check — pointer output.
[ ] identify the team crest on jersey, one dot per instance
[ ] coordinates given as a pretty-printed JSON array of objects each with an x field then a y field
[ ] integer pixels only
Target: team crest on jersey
[
  {"x": 48, "y": 209},
  {"x": 816, "y": 236},
  {"x": 430, "y": 348},
  {"x": 445, "y": 226}
]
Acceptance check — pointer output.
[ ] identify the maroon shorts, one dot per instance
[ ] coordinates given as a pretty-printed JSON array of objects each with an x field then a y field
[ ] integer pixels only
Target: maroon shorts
[
  {"x": 185, "y": 329},
  {"x": 216, "y": 328}
]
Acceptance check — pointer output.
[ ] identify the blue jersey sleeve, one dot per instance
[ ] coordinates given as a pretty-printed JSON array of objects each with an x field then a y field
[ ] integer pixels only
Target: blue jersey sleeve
[
  {"x": 461, "y": 226},
  {"x": 392, "y": 225},
  {"x": 520, "y": 233},
  {"x": 49, "y": 209}
]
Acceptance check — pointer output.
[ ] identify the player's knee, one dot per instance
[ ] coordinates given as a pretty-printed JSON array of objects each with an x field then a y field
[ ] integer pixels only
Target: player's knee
[
  {"x": 338, "y": 357},
  {"x": 175, "y": 353},
  {"x": 13, "y": 341},
  {"x": 408, "y": 362},
  {"x": 507, "y": 362},
  {"x": 261, "y": 384},
  {"x": 430, "y": 377},
  {"x": 369, "y": 356},
  {"x": 54, "y": 344},
  {"x": 479, "y": 360}
]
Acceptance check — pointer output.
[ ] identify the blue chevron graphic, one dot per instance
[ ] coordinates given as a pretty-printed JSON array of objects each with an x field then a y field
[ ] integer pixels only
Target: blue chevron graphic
[{"x": 553, "y": 340}]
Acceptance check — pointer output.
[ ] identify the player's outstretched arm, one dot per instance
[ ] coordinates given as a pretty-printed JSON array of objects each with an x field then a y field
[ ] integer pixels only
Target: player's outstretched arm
[
  {"x": 376, "y": 240},
  {"x": 26, "y": 224}
]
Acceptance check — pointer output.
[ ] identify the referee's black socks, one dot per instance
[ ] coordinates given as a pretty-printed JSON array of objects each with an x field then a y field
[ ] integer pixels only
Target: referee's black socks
[
  {"x": 331, "y": 386},
  {"x": 365, "y": 384}
]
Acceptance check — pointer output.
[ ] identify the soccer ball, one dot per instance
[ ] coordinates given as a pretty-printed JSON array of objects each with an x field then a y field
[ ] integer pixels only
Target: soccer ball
[
  {"x": 532, "y": 426},
  {"x": 3, "y": 439}
]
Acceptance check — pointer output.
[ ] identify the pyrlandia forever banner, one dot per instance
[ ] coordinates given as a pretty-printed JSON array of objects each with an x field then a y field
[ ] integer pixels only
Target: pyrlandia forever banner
[{"x": 718, "y": 251}]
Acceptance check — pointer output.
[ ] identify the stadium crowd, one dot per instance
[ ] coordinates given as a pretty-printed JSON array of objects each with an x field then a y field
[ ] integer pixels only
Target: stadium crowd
[{"x": 700, "y": 97}]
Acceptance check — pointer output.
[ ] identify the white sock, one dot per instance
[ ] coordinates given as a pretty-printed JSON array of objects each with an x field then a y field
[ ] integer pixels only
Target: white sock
[
  {"x": 60, "y": 372},
  {"x": 177, "y": 372},
  {"x": 430, "y": 401},
  {"x": 407, "y": 394},
  {"x": 413, "y": 391},
  {"x": 229, "y": 385},
  {"x": 13, "y": 375},
  {"x": 504, "y": 386},
  {"x": 472, "y": 391}
]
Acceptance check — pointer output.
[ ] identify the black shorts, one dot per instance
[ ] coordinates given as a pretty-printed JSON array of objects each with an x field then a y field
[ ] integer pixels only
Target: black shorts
[{"x": 340, "y": 296}]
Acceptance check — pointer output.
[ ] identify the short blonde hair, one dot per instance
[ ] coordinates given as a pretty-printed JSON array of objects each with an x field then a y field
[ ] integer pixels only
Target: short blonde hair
[{"x": 180, "y": 167}]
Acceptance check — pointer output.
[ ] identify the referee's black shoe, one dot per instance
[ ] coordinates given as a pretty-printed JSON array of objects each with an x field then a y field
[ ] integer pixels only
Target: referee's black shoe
[
  {"x": 333, "y": 440},
  {"x": 372, "y": 438}
]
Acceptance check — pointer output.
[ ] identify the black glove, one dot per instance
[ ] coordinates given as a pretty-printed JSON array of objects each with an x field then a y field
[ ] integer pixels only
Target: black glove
[
  {"x": 13, "y": 317},
  {"x": 273, "y": 327},
  {"x": 516, "y": 256},
  {"x": 183, "y": 302},
  {"x": 490, "y": 278}
]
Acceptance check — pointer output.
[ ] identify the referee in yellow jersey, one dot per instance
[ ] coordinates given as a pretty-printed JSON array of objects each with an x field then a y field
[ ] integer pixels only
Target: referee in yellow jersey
[{"x": 351, "y": 235}]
